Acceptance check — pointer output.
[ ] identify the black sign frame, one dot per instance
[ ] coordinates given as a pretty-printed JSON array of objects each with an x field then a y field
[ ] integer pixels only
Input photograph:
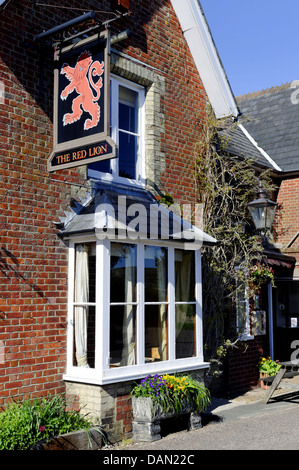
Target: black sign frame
[{"x": 82, "y": 104}]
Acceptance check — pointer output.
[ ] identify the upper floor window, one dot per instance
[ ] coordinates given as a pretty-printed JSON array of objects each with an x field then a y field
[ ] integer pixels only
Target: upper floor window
[{"x": 126, "y": 129}]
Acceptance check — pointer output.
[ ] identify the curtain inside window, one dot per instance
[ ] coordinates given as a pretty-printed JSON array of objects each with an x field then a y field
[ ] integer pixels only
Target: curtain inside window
[
  {"x": 185, "y": 309},
  {"x": 81, "y": 311},
  {"x": 123, "y": 304},
  {"x": 128, "y": 352},
  {"x": 162, "y": 319},
  {"x": 184, "y": 276},
  {"x": 156, "y": 282}
]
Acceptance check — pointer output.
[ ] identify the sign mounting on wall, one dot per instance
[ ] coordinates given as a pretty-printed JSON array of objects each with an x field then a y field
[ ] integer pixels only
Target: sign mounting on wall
[{"x": 82, "y": 104}]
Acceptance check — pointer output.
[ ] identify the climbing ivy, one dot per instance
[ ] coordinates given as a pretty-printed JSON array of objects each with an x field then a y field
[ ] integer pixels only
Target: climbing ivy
[{"x": 225, "y": 186}]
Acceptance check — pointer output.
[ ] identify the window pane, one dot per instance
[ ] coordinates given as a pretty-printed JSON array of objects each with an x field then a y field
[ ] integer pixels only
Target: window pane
[
  {"x": 128, "y": 121},
  {"x": 185, "y": 345},
  {"x": 242, "y": 316},
  {"x": 122, "y": 335},
  {"x": 156, "y": 322},
  {"x": 84, "y": 328},
  {"x": 84, "y": 315},
  {"x": 156, "y": 278},
  {"x": 123, "y": 273},
  {"x": 103, "y": 166},
  {"x": 184, "y": 276},
  {"x": 128, "y": 110},
  {"x": 85, "y": 272},
  {"x": 242, "y": 304},
  {"x": 127, "y": 154}
]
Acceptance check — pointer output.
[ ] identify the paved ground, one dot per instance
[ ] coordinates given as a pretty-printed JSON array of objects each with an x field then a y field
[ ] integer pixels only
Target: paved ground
[{"x": 244, "y": 423}]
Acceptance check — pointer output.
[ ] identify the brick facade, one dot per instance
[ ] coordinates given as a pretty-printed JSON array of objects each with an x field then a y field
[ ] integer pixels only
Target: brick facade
[
  {"x": 110, "y": 405},
  {"x": 242, "y": 372},
  {"x": 241, "y": 366},
  {"x": 33, "y": 259},
  {"x": 288, "y": 218}
]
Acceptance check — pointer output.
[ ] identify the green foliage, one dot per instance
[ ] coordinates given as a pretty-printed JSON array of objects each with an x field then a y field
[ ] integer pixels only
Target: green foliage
[
  {"x": 174, "y": 392},
  {"x": 268, "y": 366},
  {"x": 165, "y": 199},
  {"x": 26, "y": 423},
  {"x": 259, "y": 275}
]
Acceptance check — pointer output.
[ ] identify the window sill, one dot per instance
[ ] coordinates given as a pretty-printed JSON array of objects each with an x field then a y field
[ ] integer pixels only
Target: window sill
[
  {"x": 126, "y": 374},
  {"x": 246, "y": 337},
  {"x": 120, "y": 181}
]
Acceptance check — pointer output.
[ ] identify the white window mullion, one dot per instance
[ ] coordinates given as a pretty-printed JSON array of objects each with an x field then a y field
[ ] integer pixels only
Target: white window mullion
[
  {"x": 140, "y": 305},
  {"x": 102, "y": 306},
  {"x": 140, "y": 164},
  {"x": 71, "y": 282},
  {"x": 198, "y": 295},
  {"x": 171, "y": 305},
  {"x": 114, "y": 122}
]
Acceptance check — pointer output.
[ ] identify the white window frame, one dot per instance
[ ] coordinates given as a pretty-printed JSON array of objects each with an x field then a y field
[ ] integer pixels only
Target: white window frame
[
  {"x": 101, "y": 373},
  {"x": 115, "y": 82},
  {"x": 243, "y": 330}
]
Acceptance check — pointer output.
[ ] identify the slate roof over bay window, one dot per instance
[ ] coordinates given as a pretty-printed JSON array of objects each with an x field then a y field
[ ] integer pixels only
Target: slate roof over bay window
[{"x": 139, "y": 205}]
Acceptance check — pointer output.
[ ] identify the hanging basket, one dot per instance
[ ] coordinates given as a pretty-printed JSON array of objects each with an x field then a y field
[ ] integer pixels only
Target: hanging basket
[{"x": 260, "y": 275}]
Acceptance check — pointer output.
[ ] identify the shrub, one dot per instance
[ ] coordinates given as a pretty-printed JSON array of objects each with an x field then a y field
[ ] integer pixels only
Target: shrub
[{"x": 26, "y": 423}]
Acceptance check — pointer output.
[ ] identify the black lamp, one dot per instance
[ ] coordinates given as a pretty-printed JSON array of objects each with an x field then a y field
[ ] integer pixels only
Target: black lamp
[{"x": 262, "y": 211}]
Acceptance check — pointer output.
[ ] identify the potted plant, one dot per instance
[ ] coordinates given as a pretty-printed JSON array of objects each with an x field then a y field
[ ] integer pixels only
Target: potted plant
[
  {"x": 158, "y": 397},
  {"x": 259, "y": 275},
  {"x": 267, "y": 368}
]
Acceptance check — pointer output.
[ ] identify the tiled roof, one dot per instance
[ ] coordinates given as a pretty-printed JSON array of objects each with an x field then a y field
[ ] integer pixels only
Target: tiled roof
[
  {"x": 101, "y": 211},
  {"x": 272, "y": 118},
  {"x": 237, "y": 143}
]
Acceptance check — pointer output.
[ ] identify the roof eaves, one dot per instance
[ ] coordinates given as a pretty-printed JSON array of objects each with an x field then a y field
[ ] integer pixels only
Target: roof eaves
[
  {"x": 202, "y": 47},
  {"x": 106, "y": 214}
]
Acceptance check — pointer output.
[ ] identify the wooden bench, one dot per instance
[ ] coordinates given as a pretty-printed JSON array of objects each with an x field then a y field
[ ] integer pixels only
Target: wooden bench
[
  {"x": 287, "y": 370},
  {"x": 287, "y": 375}
]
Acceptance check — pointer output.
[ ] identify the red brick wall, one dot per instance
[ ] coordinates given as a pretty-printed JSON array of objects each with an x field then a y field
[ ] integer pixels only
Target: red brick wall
[
  {"x": 288, "y": 217},
  {"x": 242, "y": 371},
  {"x": 184, "y": 104},
  {"x": 33, "y": 260},
  {"x": 124, "y": 413}
]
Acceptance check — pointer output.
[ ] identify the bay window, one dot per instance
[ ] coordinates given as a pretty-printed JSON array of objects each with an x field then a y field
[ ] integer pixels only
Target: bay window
[{"x": 134, "y": 308}]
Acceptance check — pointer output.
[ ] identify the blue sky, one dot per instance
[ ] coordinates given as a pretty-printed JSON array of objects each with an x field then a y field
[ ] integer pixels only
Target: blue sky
[{"x": 257, "y": 40}]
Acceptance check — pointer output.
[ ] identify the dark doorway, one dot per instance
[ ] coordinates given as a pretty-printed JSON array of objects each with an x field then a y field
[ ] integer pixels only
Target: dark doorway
[{"x": 285, "y": 318}]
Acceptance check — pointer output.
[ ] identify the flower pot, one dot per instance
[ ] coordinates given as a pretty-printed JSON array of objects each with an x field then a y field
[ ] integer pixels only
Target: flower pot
[
  {"x": 146, "y": 422},
  {"x": 263, "y": 383},
  {"x": 147, "y": 416},
  {"x": 77, "y": 440}
]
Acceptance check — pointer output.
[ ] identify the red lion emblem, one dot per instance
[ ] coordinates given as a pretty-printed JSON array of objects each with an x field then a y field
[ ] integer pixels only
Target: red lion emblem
[{"x": 81, "y": 80}]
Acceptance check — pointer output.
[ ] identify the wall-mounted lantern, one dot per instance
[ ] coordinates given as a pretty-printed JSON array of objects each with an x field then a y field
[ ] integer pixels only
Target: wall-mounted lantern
[{"x": 262, "y": 211}]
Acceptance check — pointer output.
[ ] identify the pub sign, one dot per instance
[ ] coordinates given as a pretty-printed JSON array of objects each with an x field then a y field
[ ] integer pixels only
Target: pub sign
[{"x": 82, "y": 104}]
